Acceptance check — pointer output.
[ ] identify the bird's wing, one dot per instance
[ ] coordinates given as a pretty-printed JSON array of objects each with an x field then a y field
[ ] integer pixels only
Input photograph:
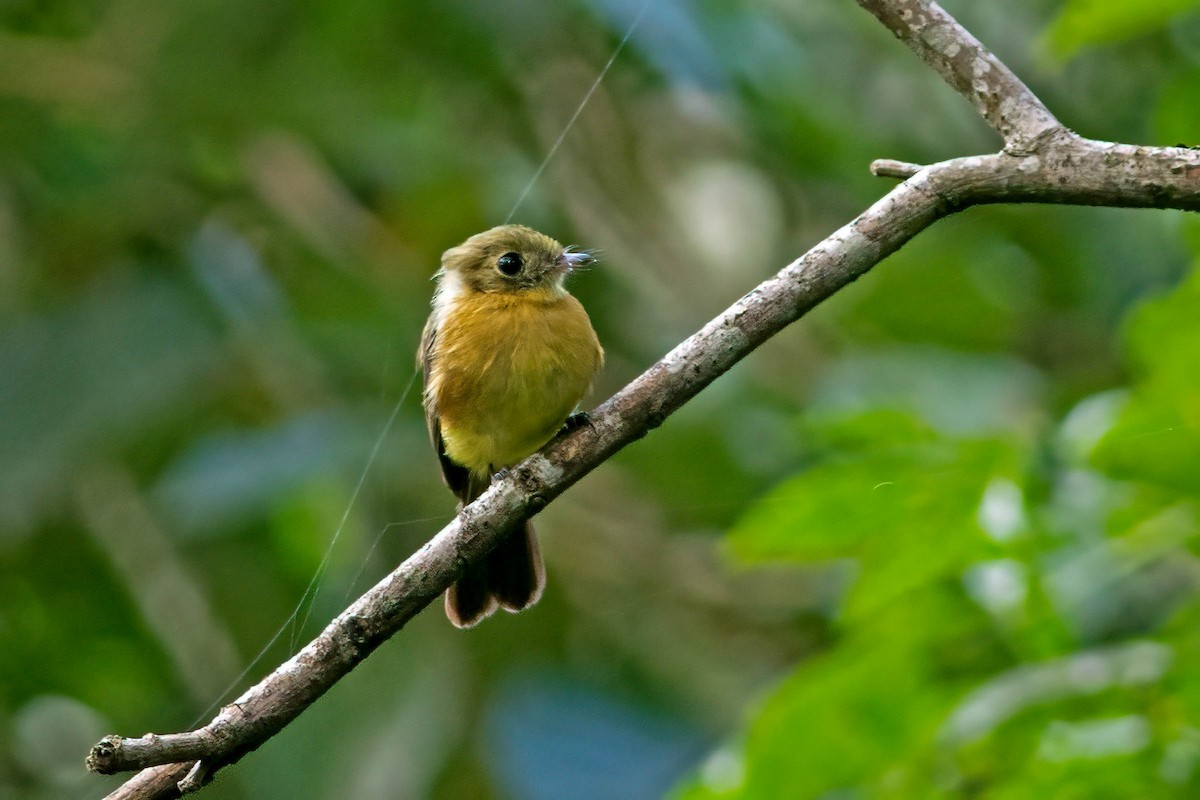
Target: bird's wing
[{"x": 456, "y": 476}]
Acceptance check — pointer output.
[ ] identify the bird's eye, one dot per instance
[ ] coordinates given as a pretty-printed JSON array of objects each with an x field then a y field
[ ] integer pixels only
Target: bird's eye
[{"x": 509, "y": 263}]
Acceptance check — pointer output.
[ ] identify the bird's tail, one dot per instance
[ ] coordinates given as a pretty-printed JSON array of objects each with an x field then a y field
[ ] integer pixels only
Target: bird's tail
[{"x": 511, "y": 577}]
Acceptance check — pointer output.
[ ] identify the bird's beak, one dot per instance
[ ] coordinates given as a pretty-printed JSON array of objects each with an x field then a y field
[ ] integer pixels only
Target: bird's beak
[{"x": 574, "y": 259}]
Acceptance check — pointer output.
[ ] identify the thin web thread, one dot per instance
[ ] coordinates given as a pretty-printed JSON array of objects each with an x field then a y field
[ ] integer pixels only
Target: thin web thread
[
  {"x": 578, "y": 110},
  {"x": 362, "y": 567},
  {"x": 314, "y": 586},
  {"x": 310, "y": 592}
]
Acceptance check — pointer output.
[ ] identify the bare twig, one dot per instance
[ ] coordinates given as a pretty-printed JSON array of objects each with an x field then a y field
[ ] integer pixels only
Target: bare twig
[
  {"x": 1042, "y": 163},
  {"x": 890, "y": 168}
]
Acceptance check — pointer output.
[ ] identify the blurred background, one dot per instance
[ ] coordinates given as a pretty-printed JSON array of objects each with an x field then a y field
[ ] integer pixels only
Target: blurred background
[{"x": 938, "y": 539}]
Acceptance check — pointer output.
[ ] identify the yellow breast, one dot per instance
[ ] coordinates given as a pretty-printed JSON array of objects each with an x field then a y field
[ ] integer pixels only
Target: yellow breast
[{"x": 508, "y": 368}]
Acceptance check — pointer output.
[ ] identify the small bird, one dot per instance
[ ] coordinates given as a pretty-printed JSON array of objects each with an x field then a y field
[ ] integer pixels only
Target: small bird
[{"x": 507, "y": 354}]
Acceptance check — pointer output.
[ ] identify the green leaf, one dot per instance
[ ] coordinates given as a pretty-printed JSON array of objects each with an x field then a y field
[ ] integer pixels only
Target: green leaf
[
  {"x": 905, "y": 506},
  {"x": 1157, "y": 436},
  {"x": 867, "y": 713},
  {"x": 1083, "y": 23}
]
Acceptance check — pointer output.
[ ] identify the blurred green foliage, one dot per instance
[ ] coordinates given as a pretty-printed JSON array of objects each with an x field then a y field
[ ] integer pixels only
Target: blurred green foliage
[
  {"x": 937, "y": 540},
  {"x": 1082, "y": 23}
]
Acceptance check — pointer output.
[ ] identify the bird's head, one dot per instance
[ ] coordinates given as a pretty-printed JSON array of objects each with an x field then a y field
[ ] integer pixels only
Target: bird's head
[{"x": 511, "y": 258}]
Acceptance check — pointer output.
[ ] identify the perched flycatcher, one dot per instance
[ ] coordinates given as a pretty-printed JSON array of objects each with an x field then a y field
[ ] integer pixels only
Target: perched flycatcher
[{"x": 507, "y": 355}]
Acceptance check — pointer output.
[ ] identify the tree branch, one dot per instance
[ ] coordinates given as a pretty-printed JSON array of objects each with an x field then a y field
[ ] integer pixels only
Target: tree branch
[
  {"x": 1042, "y": 163},
  {"x": 997, "y": 94},
  {"x": 159, "y": 782}
]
